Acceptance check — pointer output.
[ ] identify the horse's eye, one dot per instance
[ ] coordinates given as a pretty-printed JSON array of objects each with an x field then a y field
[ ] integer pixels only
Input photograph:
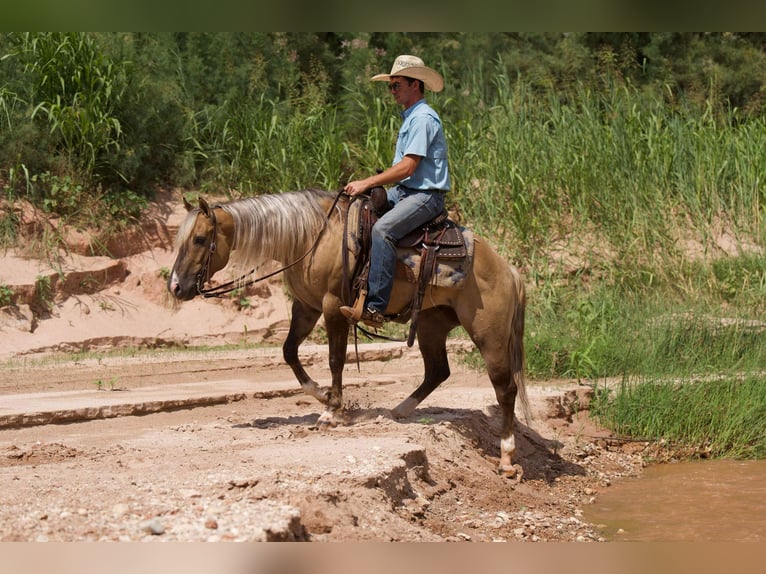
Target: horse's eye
[{"x": 199, "y": 239}]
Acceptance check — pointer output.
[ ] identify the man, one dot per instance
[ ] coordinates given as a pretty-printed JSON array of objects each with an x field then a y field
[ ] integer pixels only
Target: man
[{"x": 420, "y": 171}]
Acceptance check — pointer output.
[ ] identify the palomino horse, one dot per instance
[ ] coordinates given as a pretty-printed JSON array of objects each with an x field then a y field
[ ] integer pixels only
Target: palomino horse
[{"x": 286, "y": 227}]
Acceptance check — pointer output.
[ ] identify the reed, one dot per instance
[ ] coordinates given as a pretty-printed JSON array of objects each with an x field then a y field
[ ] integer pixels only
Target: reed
[
  {"x": 719, "y": 418},
  {"x": 612, "y": 330},
  {"x": 622, "y": 161}
]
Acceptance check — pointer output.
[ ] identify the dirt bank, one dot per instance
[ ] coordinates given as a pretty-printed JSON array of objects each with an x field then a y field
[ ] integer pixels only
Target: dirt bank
[{"x": 256, "y": 468}]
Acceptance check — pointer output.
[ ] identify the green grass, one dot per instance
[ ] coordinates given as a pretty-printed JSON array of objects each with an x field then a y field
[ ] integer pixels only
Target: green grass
[
  {"x": 723, "y": 418},
  {"x": 714, "y": 321}
]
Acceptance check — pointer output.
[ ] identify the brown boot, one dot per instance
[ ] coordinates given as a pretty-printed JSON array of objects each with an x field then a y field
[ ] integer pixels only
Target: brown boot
[{"x": 373, "y": 318}]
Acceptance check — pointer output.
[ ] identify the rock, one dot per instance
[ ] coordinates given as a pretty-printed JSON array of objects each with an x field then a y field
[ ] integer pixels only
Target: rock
[
  {"x": 190, "y": 493},
  {"x": 211, "y": 524},
  {"x": 153, "y": 526},
  {"x": 120, "y": 510},
  {"x": 19, "y": 317}
]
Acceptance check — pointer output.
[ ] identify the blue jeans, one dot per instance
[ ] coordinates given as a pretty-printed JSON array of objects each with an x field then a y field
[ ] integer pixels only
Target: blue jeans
[{"x": 410, "y": 210}]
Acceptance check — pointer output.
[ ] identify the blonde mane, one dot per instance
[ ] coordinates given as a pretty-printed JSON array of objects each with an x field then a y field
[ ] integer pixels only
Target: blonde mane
[{"x": 274, "y": 227}]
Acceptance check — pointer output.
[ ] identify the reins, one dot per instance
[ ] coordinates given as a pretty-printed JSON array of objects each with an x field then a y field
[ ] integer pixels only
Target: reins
[{"x": 240, "y": 282}]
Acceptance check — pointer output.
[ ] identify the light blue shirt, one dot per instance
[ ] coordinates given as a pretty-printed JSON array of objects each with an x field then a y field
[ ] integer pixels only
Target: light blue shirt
[{"x": 422, "y": 134}]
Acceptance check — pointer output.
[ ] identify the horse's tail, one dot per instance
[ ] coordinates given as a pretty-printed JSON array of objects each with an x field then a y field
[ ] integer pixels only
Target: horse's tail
[{"x": 516, "y": 344}]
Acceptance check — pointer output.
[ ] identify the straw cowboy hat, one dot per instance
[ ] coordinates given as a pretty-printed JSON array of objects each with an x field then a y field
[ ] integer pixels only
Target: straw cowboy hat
[{"x": 413, "y": 67}]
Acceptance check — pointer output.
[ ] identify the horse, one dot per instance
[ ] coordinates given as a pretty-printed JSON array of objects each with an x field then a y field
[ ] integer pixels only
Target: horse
[{"x": 304, "y": 231}]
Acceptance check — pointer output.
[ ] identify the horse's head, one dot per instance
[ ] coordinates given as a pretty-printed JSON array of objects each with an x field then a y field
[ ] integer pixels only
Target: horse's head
[{"x": 204, "y": 245}]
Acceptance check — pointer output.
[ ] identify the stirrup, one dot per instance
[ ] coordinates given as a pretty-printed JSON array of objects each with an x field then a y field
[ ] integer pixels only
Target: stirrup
[{"x": 355, "y": 313}]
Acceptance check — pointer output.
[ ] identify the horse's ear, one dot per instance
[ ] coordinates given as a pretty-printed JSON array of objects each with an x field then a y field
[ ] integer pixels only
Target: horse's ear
[
  {"x": 187, "y": 205},
  {"x": 204, "y": 207}
]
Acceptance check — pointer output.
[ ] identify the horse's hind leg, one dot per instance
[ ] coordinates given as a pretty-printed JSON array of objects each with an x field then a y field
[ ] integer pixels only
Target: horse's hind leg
[
  {"x": 433, "y": 327},
  {"x": 503, "y": 374},
  {"x": 504, "y": 359},
  {"x": 302, "y": 323},
  {"x": 505, "y": 391}
]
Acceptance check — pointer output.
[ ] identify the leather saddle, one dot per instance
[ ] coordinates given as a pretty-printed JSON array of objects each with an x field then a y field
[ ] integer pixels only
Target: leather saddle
[
  {"x": 441, "y": 232},
  {"x": 440, "y": 238}
]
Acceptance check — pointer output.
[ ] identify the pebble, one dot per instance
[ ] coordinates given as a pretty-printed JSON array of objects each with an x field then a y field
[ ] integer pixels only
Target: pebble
[
  {"x": 120, "y": 510},
  {"x": 190, "y": 493},
  {"x": 153, "y": 526},
  {"x": 211, "y": 524}
]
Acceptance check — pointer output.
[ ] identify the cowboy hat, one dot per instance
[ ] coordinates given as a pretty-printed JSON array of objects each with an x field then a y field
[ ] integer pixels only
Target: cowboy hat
[{"x": 413, "y": 67}]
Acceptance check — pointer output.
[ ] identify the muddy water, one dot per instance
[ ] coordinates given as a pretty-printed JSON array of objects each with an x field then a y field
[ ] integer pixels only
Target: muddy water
[{"x": 720, "y": 500}]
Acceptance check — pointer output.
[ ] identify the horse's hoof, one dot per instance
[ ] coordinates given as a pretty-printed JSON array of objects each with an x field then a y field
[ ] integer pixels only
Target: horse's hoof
[
  {"x": 404, "y": 409},
  {"x": 325, "y": 421},
  {"x": 514, "y": 472},
  {"x": 323, "y": 426},
  {"x": 328, "y": 420}
]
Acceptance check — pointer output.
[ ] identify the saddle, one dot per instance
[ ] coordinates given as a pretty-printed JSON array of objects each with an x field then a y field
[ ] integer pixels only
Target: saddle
[{"x": 438, "y": 240}]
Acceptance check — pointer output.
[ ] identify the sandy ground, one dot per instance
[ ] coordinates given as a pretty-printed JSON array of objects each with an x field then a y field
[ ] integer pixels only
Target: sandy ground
[{"x": 255, "y": 467}]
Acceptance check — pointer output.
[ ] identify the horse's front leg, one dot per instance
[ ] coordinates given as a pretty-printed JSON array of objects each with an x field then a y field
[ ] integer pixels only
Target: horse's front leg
[
  {"x": 433, "y": 327},
  {"x": 337, "y": 336},
  {"x": 302, "y": 322}
]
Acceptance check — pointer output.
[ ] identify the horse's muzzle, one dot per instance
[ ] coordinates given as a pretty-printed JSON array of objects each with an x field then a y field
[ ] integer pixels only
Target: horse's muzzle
[{"x": 180, "y": 292}]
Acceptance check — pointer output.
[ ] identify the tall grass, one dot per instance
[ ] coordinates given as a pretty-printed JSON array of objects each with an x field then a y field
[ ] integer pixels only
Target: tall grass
[
  {"x": 621, "y": 160},
  {"x": 269, "y": 147},
  {"x": 76, "y": 88},
  {"x": 609, "y": 331},
  {"x": 721, "y": 419}
]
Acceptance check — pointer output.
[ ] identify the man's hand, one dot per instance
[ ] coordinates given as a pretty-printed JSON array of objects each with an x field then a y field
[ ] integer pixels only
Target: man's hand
[{"x": 356, "y": 187}]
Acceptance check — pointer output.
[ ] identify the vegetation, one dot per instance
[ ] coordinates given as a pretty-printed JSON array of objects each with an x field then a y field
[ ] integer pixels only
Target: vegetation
[
  {"x": 622, "y": 172},
  {"x": 725, "y": 418}
]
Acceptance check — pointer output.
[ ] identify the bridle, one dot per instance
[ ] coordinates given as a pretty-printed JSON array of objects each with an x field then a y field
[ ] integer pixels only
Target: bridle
[{"x": 204, "y": 274}]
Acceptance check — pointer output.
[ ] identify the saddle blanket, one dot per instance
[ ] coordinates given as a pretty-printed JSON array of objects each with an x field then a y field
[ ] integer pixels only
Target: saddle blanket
[{"x": 449, "y": 272}]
